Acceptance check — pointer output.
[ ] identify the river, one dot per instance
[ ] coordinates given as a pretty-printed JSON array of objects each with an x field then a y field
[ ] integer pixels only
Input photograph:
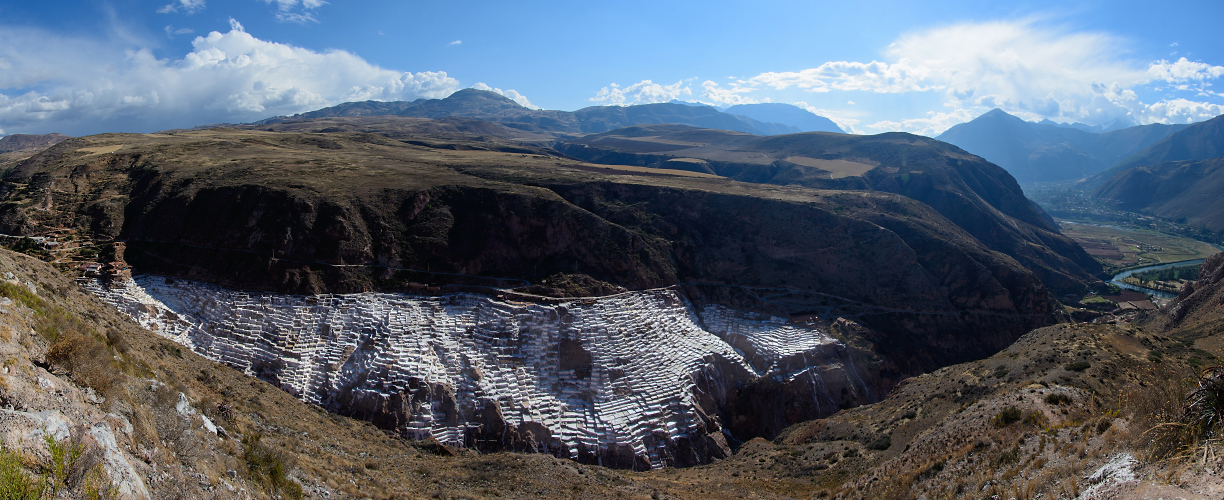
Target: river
[{"x": 1117, "y": 279}]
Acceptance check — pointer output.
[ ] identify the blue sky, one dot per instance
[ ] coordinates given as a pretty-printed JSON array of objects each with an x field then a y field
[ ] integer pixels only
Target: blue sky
[{"x": 82, "y": 67}]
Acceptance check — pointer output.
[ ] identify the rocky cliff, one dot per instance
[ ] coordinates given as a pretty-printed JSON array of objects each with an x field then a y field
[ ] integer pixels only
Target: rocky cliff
[
  {"x": 978, "y": 196},
  {"x": 345, "y": 213}
]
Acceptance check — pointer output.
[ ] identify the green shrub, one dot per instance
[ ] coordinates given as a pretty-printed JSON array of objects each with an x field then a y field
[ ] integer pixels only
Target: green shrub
[
  {"x": 22, "y": 295},
  {"x": 1058, "y": 399},
  {"x": 1204, "y": 408},
  {"x": 1008, "y": 416},
  {"x": 266, "y": 467},
  {"x": 64, "y": 456},
  {"x": 882, "y": 443},
  {"x": 15, "y": 484},
  {"x": 1078, "y": 366}
]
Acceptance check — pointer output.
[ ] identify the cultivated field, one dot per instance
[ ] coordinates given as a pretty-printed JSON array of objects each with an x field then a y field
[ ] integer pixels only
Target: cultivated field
[{"x": 1119, "y": 248}]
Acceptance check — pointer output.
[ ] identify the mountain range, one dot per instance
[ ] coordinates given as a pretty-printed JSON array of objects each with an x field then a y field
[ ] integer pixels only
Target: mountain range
[
  {"x": 1047, "y": 152},
  {"x": 490, "y": 106},
  {"x": 1179, "y": 178},
  {"x": 785, "y": 309}
]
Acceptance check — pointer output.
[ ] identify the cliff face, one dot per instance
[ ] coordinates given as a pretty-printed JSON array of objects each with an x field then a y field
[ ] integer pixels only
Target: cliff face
[
  {"x": 974, "y": 194},
  {"x": 335, "y": 213},
  {"x": 1199, "y": 308}
]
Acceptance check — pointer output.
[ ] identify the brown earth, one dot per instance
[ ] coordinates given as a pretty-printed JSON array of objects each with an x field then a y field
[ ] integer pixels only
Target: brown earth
[
  {"x": 306, "y": 213},
  {"x": 976, "y": 195},
  {"x": 1083, "y": 395}
]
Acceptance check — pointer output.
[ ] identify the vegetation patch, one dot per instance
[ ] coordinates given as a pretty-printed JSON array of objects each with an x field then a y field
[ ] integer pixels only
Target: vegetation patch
[
  {"x": 267, "y": 467},
  {"x": 1008, "y": 416},
  {"x": 1078, "y": 366}
]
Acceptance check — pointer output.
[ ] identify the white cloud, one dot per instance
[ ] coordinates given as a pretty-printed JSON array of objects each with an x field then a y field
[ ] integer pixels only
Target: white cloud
[
  {"x": 844, "y": 119},
  {"x": 727, "y": 97},
  {"x": 643, "y": 92},
  {"x": 874, "y": 76},
  {"x": 1021, "y": 66},
  {"x": 186, "y": 6},
  {"x": 454, "y": 43},
  {"x": 509, "y": 94},
  {"x": 932, "y": 124},
  {"x": 1183, "y": 70},
  {"x": 80, "y": 86},
  {"x": 296, "y": 11},
  {"x": 171, "y": 31}
]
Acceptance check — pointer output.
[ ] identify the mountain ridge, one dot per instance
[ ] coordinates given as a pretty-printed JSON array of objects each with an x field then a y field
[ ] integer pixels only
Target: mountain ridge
[
  {"x": 490, "y": 106},
  {"x": 980, "y": 197},
  {"x": 1037, "y": 152}
]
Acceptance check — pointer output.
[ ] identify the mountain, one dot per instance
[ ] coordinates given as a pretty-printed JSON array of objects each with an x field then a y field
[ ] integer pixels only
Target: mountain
[
  {"x": 1198, "y": 141},
  {"x": 1047, "y": 152},
  {"x": 1188, "y": 190},
  {"x": 742, "y": 284},
  {"x": 789, "y": 114},
  {"x": 493, "y": 107},
  {"x": 1177, "y": 178},
  {"x": 978, "y": 196},
  {"x": 17, "y": 142}
]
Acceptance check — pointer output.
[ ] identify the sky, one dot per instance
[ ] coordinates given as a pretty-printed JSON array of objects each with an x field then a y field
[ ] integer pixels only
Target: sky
[{"x": 92, "y": 66}]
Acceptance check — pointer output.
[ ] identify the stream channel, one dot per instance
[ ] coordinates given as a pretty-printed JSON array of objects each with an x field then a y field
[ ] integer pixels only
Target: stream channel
[{"x": 1117, "y": 279}]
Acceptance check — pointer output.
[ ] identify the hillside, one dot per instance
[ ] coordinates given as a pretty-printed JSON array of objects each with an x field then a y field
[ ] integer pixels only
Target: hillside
[
  {"x": 1186, "y": 191},
  {"x": 804, "y": 120},
  {"x": 1082, "y": 397},
  {"x": 1199, "y": 141},
  {"x": 17, "y": 142},
  {"x": 348, "y": 213},
  {"x": 1044, "y": 152},
  {"x": 17, "y": 147},
  {"x": 979, "y": 197},
  {"x": 492, "y": 107}
]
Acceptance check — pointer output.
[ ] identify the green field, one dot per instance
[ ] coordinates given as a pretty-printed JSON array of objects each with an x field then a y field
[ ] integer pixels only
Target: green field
[{"x": 1118, "y": 248}]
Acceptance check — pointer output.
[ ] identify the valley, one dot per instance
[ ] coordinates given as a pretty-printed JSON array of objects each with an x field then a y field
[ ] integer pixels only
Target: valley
[
  {"x": 1122, "y": 248},
  {"x": 656, "y": 310}
]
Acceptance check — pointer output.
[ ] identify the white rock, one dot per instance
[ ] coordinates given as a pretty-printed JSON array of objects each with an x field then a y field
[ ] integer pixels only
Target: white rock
[{"x": 124, "y": 478}]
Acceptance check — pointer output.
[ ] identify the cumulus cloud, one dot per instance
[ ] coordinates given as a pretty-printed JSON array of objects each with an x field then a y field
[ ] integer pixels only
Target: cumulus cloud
[
  {"x": 847, "y": 120},
  {"x": 81, "y": 86},
  {"x": 643, "y": 92},
  {"x": 714, "y": 93},
  {"x": 1183, "y": 70},
  {"x": 454, "y": 43},
  {"x": 185, "y": 6},
  {"x": 296, "y": 11},
  {"x": 1028, "y": 69},
  {"x": 508, "y": 94},
  {"x": 874, "y": 76}
]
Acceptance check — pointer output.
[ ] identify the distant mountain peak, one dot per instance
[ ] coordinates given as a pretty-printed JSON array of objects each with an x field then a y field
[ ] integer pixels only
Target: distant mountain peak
[
  {"x": 787, "y": 114},
  {"x": 477, "y": 95}
]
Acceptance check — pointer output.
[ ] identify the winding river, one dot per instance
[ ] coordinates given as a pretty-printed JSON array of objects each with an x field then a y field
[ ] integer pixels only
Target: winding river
[{"x": 1117, "y": 279}]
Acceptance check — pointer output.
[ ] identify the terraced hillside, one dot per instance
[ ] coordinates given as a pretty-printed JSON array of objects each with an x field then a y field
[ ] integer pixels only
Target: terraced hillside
[{"x": 345, "y": 213}]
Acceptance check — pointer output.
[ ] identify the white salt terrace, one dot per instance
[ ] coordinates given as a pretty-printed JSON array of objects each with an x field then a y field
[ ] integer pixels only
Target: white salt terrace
[{"x": 647, "y": 351}]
